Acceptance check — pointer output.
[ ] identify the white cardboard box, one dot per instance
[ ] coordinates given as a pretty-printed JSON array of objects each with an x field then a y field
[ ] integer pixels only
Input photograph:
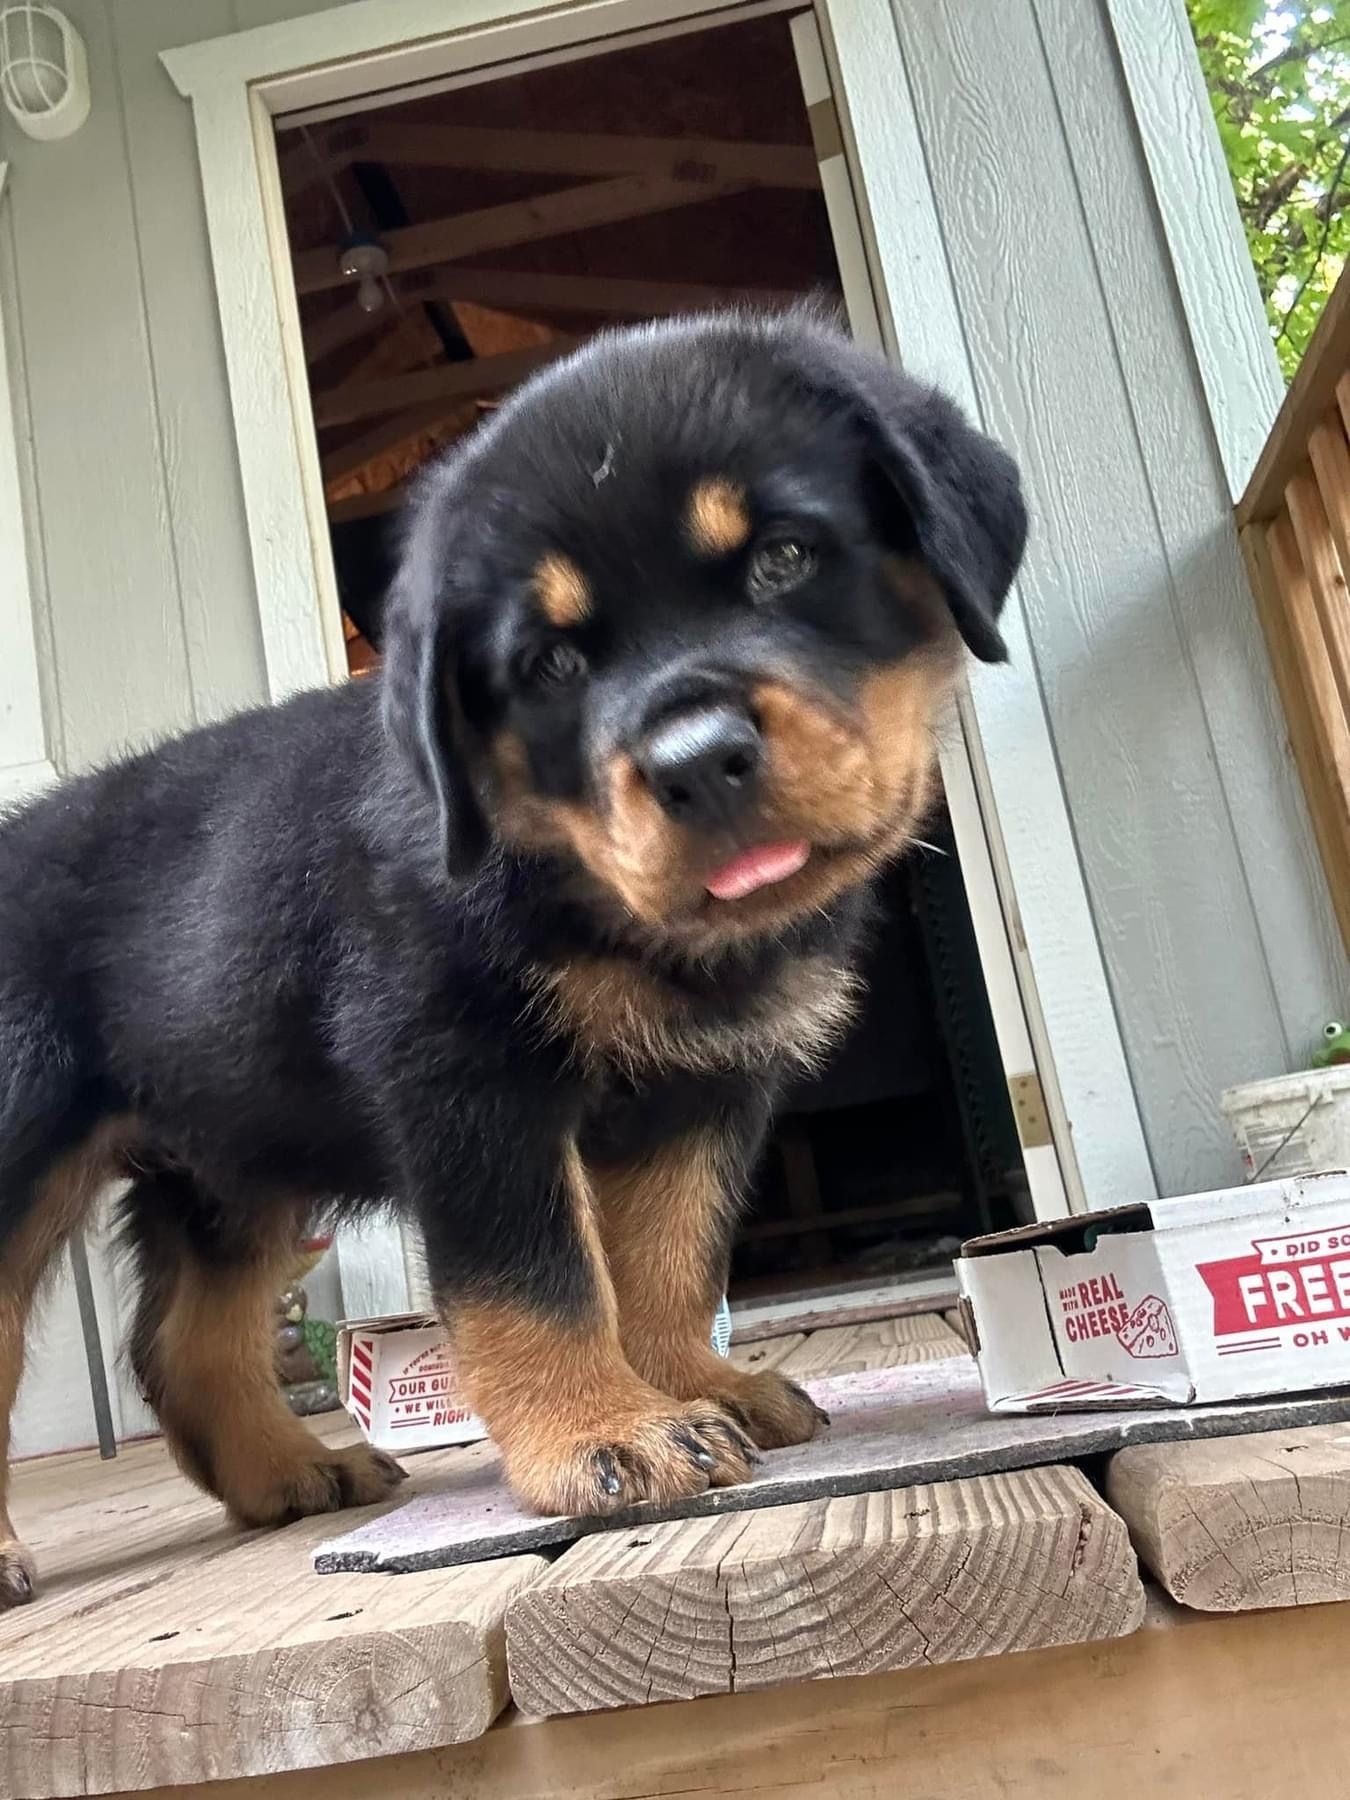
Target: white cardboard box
[
  {"x": 396, "y": 1379},
  {"x": 1216, "y": 1296}
]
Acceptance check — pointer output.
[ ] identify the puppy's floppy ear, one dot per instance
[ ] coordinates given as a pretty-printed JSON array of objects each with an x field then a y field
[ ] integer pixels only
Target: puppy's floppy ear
[
  {"x": 424, "y": 717},
  {"x": 947, "y": 493}
]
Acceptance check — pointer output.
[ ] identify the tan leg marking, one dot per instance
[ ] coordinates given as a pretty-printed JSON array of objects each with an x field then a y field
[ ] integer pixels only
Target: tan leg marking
[
  {"x": 579, "y": 1430},
  {"x": 214, "y": 1386},
  {"x": 662, "y": 1222},
  {"x": 61, "y": 1205}
]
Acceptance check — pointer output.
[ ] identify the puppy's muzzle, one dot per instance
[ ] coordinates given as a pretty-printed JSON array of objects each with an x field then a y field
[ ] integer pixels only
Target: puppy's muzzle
[{"x": 703, "y": 766}]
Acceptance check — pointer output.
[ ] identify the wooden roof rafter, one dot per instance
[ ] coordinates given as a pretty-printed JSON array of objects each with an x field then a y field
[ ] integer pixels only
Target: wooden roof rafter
[{"x": 519, "y": 222}]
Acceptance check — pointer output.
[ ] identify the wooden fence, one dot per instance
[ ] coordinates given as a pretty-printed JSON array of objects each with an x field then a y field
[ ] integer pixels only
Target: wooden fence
[{"x": 1294, "y": 521}]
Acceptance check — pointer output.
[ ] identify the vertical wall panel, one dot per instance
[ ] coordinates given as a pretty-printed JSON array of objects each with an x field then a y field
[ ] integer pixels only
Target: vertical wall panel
[
  {"x": 1115, "y": 582},
  {"x": 213, "y": 568}
]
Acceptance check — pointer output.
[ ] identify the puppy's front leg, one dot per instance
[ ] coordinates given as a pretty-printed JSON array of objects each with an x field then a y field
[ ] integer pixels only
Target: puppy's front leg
[
  {"x": 519, "y": 1275},
  {"x": 666, "y": 1218}
]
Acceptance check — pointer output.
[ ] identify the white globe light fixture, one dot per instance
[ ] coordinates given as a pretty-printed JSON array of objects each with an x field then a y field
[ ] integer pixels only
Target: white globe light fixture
[{"x": 44, "y": 74}]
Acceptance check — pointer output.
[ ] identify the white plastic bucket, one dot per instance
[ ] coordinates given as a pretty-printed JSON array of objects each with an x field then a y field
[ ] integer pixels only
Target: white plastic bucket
[{"x": 1292, "y": 1125}]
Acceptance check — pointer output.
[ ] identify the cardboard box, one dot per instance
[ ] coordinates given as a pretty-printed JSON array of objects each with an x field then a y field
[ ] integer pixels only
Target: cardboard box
[
  {"x": 396, "y": 1379},
  {"x": 1217, "y": 1296}
]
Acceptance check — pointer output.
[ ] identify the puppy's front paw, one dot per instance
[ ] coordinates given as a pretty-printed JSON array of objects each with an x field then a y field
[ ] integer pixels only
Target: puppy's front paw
[
  {"x": 669, "y": 1453},
  {"x": 325, "y": 1482},
  {"x": 18, "y": 1576},
  {"x": 774, "y": 1410}
]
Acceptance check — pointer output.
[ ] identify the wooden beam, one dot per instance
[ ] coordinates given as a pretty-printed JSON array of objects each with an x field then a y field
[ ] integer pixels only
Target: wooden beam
[
  {"x": 302, "y": 164},
  {"x": 626, "y": 298},
  {"x": 446, "y": 146},
  {"x": 1140, "y": 1716},
  {"x": 1305, "y": 740},
  {"x": 1312, "y": 394},
  {"x": 367, "y": 506},
  {"x": 248, "y": 1665},
  {"x": 449, "y": 382},
  {"x": 833, "y": 1587},
  {"x": 881, "y": 1344},
  {"x": 344, "y": 325},
  {"x": 389, "y": 435},
  {"x": 518, "y": 222},
  {"x": 1242, "y": 1522}
]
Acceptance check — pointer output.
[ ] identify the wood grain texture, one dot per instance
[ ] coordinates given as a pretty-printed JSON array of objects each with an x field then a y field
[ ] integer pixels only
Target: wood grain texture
[
  {"x": 1152, "y": 821},
  {"x": 836, "y": 1587},
  {"x": 1249, "y": 1522},
  {"x": 877, "y": 1344},
  {"x": 1311, "y": 395},
  {"x": 169, "y": 1648},
  {"x": 1304, "y": 741},
  {"x": 882, "y": 59},
  {"x": 1208, "y": 591},
  {"x": 1209, "y": 256},
  {"x": 1133, "y": 1716},
  {"x": 212, "y": 565},
  {"x": 844, "y": 1303}
]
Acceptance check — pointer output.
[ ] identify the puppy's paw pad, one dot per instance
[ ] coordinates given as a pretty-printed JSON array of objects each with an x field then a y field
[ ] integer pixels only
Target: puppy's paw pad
[{"x": 18, "y": 1577}]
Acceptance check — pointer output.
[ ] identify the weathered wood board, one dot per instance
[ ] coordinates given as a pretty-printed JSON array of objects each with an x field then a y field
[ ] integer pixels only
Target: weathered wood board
[
  {"x": 1241, "y": 1523},
  {"x": 891, "y": 1428},
  {"x": 240, "y": 1661},
  {"x": 849, "y": 1303},
  {"x": 852, "y": 1586}
]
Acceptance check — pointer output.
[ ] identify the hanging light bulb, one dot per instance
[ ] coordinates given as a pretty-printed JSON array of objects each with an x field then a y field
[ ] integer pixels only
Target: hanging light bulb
[{"x": 365, "y": 261}]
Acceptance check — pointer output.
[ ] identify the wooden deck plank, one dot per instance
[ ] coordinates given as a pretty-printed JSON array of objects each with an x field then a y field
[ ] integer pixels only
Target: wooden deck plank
[
  {"x": 1131, "y": 1716},
  {"x": 249, "y": 1664},
  {"x": 766, "y": 1353},
  {"x": 168, "y": 1646},
  {"x": 834, "y": 1587},
  {"x": 842, "y": 1303},
  {"x": 1244, "y": 1522},
  {"x": 875, "y": 1344}
]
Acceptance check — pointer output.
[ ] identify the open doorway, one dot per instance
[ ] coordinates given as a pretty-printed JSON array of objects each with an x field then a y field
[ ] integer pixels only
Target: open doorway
[{"x": 446, "y": 244}]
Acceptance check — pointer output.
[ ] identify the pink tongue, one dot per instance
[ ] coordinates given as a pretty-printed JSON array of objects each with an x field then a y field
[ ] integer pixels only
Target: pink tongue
[{"x": 757, "y": 868}]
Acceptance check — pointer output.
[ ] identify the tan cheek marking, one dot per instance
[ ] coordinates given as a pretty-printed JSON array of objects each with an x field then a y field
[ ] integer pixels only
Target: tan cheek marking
[
  {"x": 562, "y": 590},
  {"x": 717, "y": 519}
]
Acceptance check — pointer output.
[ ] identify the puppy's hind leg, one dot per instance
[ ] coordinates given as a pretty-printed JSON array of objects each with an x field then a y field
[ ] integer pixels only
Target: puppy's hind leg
[
  {"x": 49, "y": 1179},
  {"x": 202, "y": 1350}
]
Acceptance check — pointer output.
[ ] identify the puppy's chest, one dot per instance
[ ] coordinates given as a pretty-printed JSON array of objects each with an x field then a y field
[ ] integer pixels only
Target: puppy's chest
[{"x": 619, "y": 1015}]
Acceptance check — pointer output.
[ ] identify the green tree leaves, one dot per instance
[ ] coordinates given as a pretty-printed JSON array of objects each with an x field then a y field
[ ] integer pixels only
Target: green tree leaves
[{"x": 1279, "y": 82}]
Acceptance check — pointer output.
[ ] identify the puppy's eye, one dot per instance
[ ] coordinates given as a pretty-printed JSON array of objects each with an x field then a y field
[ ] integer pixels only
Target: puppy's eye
[
  {"x": 780, "y": 564},
  {"x": 556, "y": 666}
]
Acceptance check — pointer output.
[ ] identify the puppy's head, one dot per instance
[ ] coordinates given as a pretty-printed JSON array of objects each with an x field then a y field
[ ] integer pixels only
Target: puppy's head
[{"x": 684, "y": 611}]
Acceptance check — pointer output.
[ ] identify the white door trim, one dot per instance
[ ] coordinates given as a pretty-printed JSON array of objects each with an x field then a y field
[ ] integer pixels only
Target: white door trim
[
  {"x": 236, "y": 84},
  {"x": 1067, "y": 1000},
  {"x": 1051, "y": 1168},
  {"x": 1238, "y": 366},
  {"x": 25, "y": 761}
]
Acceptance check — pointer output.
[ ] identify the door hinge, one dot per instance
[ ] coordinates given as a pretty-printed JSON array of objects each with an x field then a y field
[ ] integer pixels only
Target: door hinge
[
  {"x": 825, "y": 131},
  {"x": 1033, "y": 1121}
]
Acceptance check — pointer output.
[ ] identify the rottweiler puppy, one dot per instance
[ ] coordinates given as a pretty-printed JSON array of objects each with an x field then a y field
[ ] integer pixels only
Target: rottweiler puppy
[{"x": 520, "y": 936}]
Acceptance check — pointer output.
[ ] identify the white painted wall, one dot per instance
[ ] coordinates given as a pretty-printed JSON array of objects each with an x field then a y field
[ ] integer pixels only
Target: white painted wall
[{"x": 1204, "y": 888}]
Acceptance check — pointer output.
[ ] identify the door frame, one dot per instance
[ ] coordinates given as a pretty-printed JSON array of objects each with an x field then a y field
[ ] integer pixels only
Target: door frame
[{"x": 1048, "y": 982}]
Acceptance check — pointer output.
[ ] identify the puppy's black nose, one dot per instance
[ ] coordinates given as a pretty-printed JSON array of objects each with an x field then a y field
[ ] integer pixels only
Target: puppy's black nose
[{"x": 702, "y": 765}]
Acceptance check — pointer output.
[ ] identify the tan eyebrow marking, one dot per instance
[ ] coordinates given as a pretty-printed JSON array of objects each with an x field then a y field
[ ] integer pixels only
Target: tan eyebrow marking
[
  {"x": 717, "y": 518},
  {"x": 562, "y": 590}
]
